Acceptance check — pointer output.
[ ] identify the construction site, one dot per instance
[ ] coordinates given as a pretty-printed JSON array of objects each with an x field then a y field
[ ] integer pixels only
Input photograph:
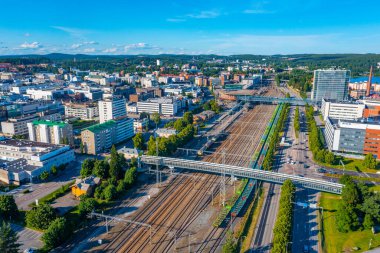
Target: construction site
[{"x": 193, "y": 211}]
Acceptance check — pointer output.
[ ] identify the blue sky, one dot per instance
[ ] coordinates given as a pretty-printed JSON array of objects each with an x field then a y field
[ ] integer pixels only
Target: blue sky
[{"x": 191, "y": 27}]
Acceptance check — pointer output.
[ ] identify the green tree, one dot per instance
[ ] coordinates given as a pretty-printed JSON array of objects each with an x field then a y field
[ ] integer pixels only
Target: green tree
[
  {"x": 144, "y": 115},
  {"x": 40, "y": 217},
  {"x": 188, "y": 118},
  {"x": 8, "y": 239},
  {"x": 369, "y": 161},
  {"x": 81, "y": 148},
  {"x": 54, "y": 170},
  {"x": 86, "y": 205},
  {"x": 230, "y": 246},
  {"x": 121, "y": 186},
  {"x": 87, "y": 167},
  {"x": 56, "y": 233},
  {"x": 117, "y": 163},
  {"x": 329, "y": 158},
  {"x": 138, "y": 141},
  {"x": 109, "y": 192},
  {"x": 368, "y": 222},
  {"x": 346, "y": 218},
  {"x": 44, "y": 175},
  {"x": 371, "y": 206},
  {"x": 8, "y": 207},
  {"x": 151, "y": 146},
  {"x": 179, "y": 125},
  {"x": 156, "y": 118},
  {"x": 101, "y": 168},
  {"x": 351, "y": 194},
  {"x": 130, "y": 176}
]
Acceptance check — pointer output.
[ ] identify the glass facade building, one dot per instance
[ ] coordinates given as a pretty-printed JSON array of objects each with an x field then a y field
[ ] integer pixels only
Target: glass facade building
[{"x": 330, "y": 84}]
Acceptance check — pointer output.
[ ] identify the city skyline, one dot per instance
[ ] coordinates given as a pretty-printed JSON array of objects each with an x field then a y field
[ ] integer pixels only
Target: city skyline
[{"x": 176, "y": 27}]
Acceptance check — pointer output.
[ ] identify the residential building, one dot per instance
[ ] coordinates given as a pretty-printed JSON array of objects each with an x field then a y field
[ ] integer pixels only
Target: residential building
[
  {"x": 341, "y": 110},
  {"x": 349, "y": 136},
  {"x": 166, "y": 132},
  {"x": 124, "y": 129},
  {"x": 85, "y": 186},
  {"x": 112, "y": 108},
  {"x": 98, "y": 138},
  {"x": 82, "y": 111},
  {"x": 330, "y": 84},
  {"x": 140, "y": 124},
  {"x": 21, "y": 160},
  {"x": 18, "y": 125},
  {"x": 164, "y": 106},
  {"x": 53, "y": 132},
  {"x": 129, "y": 153}
]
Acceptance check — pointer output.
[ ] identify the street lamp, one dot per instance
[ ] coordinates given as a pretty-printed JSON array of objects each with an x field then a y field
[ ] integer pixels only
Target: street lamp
[{"x": 287, "y": 246}]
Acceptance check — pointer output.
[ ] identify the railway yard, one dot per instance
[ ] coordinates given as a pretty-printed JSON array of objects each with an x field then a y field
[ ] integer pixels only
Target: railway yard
[{"x": 181, "y": 215}]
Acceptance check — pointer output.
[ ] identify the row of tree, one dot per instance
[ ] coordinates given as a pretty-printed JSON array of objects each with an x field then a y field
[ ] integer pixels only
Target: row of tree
[
  {"x": 274, "y": 138},
  {"x": 283, "y": 227},
  {"x": 212, "y": 105},
  {"x": 167, "y": 146},
  {"x": 359, "y": 208},
  {"x": 111, "y": 171},
  {"x": 316, "y": 139},
  {"x": 297, "y": 120}
]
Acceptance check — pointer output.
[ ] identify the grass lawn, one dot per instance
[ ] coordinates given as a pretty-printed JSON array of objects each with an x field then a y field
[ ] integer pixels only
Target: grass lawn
[
  {"x": 342, "y": 242},
  {"x": 351, "y": 164}
]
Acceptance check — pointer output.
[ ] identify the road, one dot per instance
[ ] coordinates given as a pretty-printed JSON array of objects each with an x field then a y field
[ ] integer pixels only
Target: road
[
  {"x": 263, "y": 236},
  {"x": 37, "y": 191},
  {"x": 305, "y": 223}
]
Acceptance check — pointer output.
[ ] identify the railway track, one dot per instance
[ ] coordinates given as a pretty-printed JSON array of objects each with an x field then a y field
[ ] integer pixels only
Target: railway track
[{"x": 178, "y": 205}]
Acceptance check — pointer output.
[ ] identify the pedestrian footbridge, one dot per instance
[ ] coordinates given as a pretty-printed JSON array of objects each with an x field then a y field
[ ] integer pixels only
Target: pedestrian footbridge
[{"x": 267, "y": 176}]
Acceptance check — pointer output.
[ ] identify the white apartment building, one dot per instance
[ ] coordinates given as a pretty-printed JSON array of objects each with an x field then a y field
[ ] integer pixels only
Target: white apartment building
[
  {"x": 164, "y": 106},
  {"x": 147, "y": 82},
  {"x": 21, "y": 160},
  {"x": 341, "y": 110},
  {"x": 53, "y": 132},
  {"x": 82, "y": 111},
  {"x": 17, "y": 126},
  {"x": 112, "y": 108},
  {"x": 38, "y": 94}
]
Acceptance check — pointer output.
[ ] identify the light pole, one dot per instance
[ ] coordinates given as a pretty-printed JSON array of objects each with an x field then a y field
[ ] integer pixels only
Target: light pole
[{"x": 287, "y": 246}]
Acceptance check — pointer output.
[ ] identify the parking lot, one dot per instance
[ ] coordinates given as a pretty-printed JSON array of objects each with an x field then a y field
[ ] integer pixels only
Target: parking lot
[{"x": 28, "y": 238}]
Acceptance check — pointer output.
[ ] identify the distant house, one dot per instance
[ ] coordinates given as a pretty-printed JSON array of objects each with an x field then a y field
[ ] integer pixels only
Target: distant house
[
  {"x": 203, "y": 116},
  {"x": 129, "y": 152},
  {"x": 166, "y": 132},
  {"x": 85, "y": 186}
]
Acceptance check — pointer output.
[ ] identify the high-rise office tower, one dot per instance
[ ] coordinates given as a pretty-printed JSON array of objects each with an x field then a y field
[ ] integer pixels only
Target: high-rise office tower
[{"x": 330, "y": 84}]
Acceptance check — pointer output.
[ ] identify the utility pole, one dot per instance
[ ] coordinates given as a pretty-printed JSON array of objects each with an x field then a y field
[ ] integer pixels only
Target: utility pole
[
  {"x": 157, "y": 173},
  {"x": 223, "y": 181},
  {"x": 344, "y": 168}
]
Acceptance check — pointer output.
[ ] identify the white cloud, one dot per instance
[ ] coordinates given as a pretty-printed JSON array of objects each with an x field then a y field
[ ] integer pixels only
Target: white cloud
[
  {"x": 32, "y": 45},
  {"x": 89, "y": 50},
  {"x": 110, "y": 50},
  {"x": 204, "y": 14},
  {"x": 27, "y": 34},
  {"x": 79, "y": 45},
  {"x": 74, "y": 32},
  {"x": 176, "y": 20},
  {"x": 76, "y": 46},
  {"x": 139, "y": 46},
  {"x": 90, "y": 43},
  {"x": 258, "y": 11}
]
